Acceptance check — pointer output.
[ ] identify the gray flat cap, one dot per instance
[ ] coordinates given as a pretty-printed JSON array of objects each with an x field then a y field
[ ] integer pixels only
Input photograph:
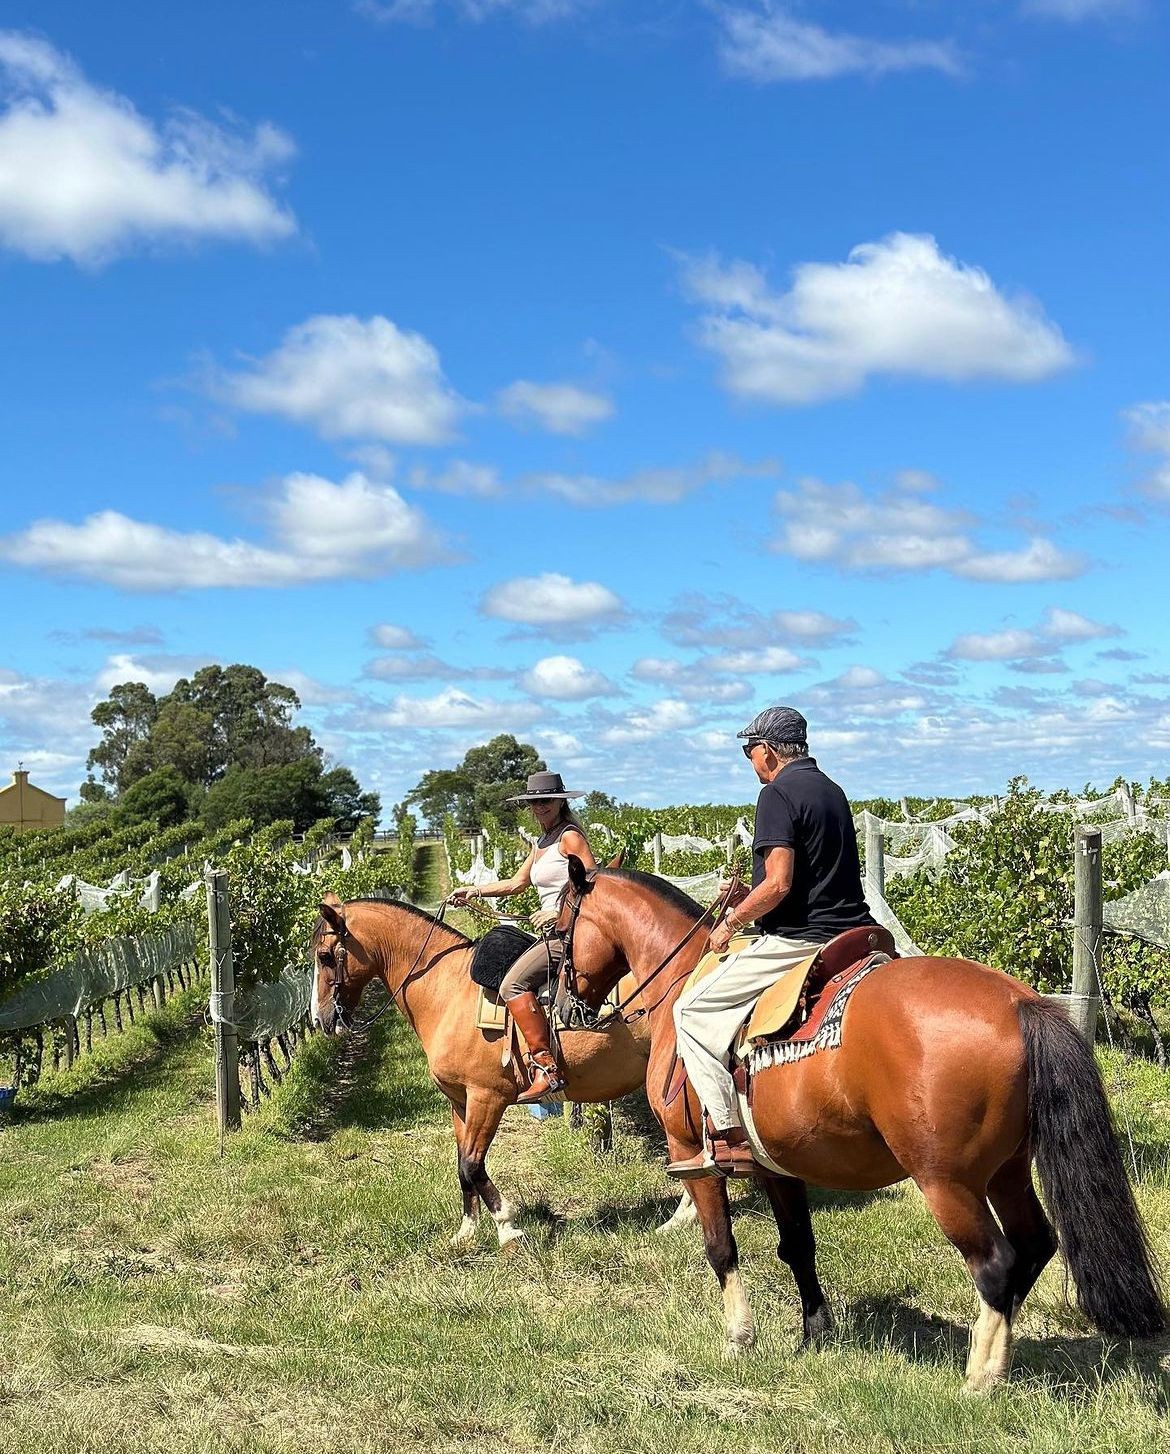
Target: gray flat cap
[{"x": 776, "y": 724}]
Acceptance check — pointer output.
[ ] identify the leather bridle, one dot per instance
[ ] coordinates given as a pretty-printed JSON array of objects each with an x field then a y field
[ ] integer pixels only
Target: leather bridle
[
  {"x": 341, "y": 964},
  {"x": 585, "y": 1012}
]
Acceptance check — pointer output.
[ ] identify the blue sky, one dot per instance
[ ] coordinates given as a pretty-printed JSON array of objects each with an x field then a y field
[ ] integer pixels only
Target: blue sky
[{"x": 596, "y": 371}]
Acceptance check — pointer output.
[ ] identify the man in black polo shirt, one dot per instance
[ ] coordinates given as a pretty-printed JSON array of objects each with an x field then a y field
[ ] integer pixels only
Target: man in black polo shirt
[{"x": 806, "y": 888}]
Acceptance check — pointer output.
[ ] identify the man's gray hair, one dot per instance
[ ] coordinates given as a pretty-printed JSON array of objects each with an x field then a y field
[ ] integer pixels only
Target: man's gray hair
[{"x": 789, "y": 750}]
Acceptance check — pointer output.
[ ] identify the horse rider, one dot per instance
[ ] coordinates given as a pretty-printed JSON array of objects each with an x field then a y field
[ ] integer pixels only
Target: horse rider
[
  {"x": 547, "y": 869},
  {"x": 806, "y": 888}
]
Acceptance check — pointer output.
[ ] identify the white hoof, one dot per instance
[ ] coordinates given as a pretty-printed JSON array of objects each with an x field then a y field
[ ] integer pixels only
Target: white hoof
[
  {"x": 736, "y": 1348},
  {"x": 685, "y": 1215},
  {"x": 465, "y": 1236},
  {"x": 509, "y": 1236}
]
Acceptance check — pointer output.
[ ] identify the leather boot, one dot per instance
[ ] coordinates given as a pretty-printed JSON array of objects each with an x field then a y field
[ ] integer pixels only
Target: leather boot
[
  {"x": 729, "y": 1154},
  {"x": 529, "y": 1015}
]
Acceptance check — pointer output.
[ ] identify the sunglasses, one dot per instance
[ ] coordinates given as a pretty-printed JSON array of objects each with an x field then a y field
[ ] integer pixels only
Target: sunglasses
[{"x": 750, "y": 747}]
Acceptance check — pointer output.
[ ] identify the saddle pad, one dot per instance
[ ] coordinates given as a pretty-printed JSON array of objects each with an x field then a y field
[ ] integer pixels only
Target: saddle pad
[
  {"x": 490, "y": 1013},
  {"x": 777, "y": 1005},
  {"x": 711, "y": 960},
  {"x": 496, "y": 953}
]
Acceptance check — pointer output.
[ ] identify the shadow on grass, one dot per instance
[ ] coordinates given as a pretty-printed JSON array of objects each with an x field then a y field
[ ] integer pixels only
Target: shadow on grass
[
  {"x": 118, "y": 1068},
  {"x": 1066, "y": 1368}
]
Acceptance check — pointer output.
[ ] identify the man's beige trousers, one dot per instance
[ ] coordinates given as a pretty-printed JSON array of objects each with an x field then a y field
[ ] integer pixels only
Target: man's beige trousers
[{"x": 708, "y": 1015}]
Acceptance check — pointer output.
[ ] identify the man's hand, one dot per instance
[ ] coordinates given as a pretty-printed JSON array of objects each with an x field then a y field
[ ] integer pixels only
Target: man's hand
[
  {"x": 741, "y": 891},
  {"x": 544, "y": 919},
  {"x": 721, "y": 937}
]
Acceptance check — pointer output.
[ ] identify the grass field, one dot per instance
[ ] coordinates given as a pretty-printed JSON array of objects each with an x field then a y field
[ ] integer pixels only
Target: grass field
[{"x": 300, "y": 1294}]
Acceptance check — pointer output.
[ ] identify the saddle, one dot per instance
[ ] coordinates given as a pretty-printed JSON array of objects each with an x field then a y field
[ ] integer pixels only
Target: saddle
[{"x": 793, "y": 1011}]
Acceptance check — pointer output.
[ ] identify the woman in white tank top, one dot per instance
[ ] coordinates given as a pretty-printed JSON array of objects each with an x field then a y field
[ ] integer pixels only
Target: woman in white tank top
[{"x": 547, "y": 869}]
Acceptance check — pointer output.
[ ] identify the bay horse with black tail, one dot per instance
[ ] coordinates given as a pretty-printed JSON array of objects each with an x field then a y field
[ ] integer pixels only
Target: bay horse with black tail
[
  {"x": 948, "y": 1073},
  {"x": 425, "y": 966}
]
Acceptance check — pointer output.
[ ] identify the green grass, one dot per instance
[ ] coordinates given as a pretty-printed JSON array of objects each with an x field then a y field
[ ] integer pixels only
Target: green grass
[{"x": 300, "y": 1294}]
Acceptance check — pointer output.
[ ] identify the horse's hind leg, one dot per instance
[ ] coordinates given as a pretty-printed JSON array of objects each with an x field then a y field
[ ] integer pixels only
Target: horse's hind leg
[
  {"x": 1024, "y": 1224},
  {"x": 710, "y": 1197},
  {"x": 965, "y": 1217},
  {"x": 798, "y": 1248}
]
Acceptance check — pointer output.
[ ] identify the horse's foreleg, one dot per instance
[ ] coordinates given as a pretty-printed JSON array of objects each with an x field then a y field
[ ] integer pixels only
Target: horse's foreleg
[
  {"x": 482, "y": 1118},
  {"x": 471, "y": 1208},
  {"x": 798, "y": 1247},
  {"x": 684, "y": 1215},
  {"x": 965, "y": 1217},
  {"x": 710, "y": 1198}
]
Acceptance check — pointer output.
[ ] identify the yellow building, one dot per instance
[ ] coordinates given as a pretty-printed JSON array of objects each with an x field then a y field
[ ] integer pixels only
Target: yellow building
[{"x": 23, "y": 806}]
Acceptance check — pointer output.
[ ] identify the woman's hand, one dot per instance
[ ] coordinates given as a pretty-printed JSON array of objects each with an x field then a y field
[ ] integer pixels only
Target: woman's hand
[
  {"x": 461, "y": 896},
  {"x": 544, "y": 919}
]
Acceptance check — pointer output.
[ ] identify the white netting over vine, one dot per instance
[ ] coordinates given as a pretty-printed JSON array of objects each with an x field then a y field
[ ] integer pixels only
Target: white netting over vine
[
  {"x": 95, "y": 896},
  {"x": 93, "y": 975},
  {"x": 1145, "y": 913}
]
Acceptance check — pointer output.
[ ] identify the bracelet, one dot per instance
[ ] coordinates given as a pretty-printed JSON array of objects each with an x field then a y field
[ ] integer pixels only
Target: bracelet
[{"x": 732, "y": 923}]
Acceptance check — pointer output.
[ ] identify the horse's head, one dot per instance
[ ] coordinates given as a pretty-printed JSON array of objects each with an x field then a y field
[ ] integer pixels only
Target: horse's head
[
  {"x": 341, "y": 969},
  {"x": 596, "y": 961}
]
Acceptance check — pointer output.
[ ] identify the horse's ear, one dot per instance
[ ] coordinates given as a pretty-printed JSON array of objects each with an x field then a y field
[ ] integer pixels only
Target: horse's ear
[
  {"x": 578, "y": 876},
  {"x": 618, "y": 859},
  {"x": 333, "y": 912}
]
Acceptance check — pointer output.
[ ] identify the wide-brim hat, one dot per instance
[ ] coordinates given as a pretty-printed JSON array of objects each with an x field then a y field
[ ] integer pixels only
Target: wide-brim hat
[{"x": 546, "y": 785}]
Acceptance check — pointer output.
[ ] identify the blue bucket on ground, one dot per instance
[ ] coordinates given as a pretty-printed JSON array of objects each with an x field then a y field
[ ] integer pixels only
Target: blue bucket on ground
[{"x": 7, "y": 1096}]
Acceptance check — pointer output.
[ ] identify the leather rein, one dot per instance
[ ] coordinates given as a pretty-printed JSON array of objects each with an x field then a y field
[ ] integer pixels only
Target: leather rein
[{"x": 714, "y": 912}]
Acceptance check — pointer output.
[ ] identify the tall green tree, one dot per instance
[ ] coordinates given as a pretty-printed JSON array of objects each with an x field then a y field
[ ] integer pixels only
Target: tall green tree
[
  {"x": 482, "y": 783},
  {"x": 126, "y": 719}
]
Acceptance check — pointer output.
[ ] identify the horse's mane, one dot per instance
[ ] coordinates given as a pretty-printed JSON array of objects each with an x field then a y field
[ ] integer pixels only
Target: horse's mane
[
  {"x": 321, "y": 924},
  {"x": 668, "y": 892}
]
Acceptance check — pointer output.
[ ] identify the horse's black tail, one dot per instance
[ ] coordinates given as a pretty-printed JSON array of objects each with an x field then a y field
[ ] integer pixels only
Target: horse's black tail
[{"x": 1085, "y": 1181}]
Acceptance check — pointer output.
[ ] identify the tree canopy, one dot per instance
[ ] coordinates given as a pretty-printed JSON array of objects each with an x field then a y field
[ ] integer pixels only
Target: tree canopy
[
  {"x": 222, "y": 744},
  {"x": 483, "y": 781}
]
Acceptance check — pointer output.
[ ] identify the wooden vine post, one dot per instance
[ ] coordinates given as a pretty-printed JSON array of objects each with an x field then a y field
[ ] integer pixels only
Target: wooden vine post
[
  {"x": 1087, "y": 921},
  {"x": 223, "y": 1001},
  {"x": 875, "y": 854}
]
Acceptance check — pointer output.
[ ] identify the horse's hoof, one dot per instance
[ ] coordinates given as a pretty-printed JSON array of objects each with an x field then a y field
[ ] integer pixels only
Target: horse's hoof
[
  {"x": 979, "y": 1386},
  {"x": 510, "y": 1236},
  {"x": 817, "y": 1330},
  {"x": 465, "y": 1236},
  {"x": 737, "y": 1348}
]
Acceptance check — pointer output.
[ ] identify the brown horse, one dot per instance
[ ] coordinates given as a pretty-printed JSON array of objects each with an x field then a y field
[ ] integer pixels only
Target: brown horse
[
  {"x": 425, "y": 966},
  {"x": 948, "y": 1073}
]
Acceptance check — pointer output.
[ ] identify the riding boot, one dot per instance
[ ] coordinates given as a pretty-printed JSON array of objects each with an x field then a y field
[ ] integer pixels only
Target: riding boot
[
  {"x": 729, "y": 1153},
  {"x": 529, "y": 1015}
]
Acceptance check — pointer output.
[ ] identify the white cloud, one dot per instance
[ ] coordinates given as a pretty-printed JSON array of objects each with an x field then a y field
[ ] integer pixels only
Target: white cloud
[
  {"x": 1150, "y": 432},
  {"x": 424, "y": 666},
  {"x": 565, "y": 679},
  {"x": 351, "y": 378},
  {"x": 551, "y": 600},
  {"x": 395, "y": 638},
  {"x": 424, "y": 12},
  {"x": 321, "y": 531},
  {"x": 559, "y": 408},
  {"x": 1058, "y": 629},
  {"x": 896, "y": 307},
  {"x": 1077, "y": 10},
  {"x": 84, "y": 175},
  {"x": 459, "y": 477},
  {"x": 665, "y": 716},
  {"x": 455, "y": 708},
  {"x": 692, "y": 681},
  {"x": 658, "y": 486},
  {"x": 901, "y": 530},
  {"x": 770, "y": 44},
  {"x": 158, "y": 670},
  {"x": 698, "y": 620},
  {"x": 755, "y": 661}
]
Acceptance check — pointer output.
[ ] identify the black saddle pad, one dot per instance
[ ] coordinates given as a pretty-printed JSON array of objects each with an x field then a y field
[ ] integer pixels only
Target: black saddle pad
[{"x": 496, "y": 953}]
